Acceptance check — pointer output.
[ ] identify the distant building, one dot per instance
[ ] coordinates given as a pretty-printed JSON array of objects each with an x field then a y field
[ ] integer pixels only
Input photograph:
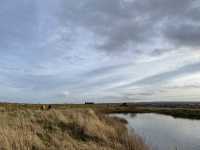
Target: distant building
[
  {"x": 90, "y": 103},
  {"x": 124, "y": 105}
]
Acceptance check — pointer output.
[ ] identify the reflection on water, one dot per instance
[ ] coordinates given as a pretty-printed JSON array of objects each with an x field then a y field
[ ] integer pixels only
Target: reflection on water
[{"x": 164, "y": 132}]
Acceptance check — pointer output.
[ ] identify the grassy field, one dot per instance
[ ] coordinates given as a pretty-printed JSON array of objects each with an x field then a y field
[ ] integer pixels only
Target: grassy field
[
  {"x": 76, "y": 126},
  {"x": 181, "y": 110},
  {"x": 30, "y": 128}
]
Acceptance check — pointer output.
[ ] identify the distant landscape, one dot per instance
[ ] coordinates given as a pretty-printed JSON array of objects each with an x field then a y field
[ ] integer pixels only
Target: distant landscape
[
  {"x": 176, "y": 109},
  {"x": 79, "y": 126}
]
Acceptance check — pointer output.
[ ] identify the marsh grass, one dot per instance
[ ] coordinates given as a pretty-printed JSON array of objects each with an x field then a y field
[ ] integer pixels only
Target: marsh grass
[{"x": 74, "y": 129}]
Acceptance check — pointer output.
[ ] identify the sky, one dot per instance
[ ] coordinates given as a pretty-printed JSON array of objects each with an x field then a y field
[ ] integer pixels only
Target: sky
[{"x": 72, "y": 51}]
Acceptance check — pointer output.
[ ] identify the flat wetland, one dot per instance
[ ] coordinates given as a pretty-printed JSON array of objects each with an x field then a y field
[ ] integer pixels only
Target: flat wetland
[
  {"x": 90, "y": 127},
  {"x": 176, "y": 109}
]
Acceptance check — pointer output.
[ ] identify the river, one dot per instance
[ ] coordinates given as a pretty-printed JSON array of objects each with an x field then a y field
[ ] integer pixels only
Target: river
[{"x": 163, "y": 132}]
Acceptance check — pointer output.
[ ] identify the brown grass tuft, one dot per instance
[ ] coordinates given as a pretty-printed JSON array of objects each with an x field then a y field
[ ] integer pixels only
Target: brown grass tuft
[{"x": 64, "y": 129}]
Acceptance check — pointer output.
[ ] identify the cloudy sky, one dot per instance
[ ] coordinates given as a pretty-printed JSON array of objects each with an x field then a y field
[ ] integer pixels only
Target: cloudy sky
[{"x": 55, "y": 51}]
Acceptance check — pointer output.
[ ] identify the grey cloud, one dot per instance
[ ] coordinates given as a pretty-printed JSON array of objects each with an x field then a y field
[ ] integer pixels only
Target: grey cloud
[
  {"x": 184, "y": 34},
  {"x": 158, "y": 52},
  {"x": 118, "y": 25},
  {"x": 106, "y": 70},
  {"x": 183, "y": 87},
  {"x": 42, "y": 50},
  {"x": 121, "y": 24},
  {"x": 98, "y": 84},
  {"x": 163, "y": 77},
  {"x": 113, "y": 21},
  {"x": 145, "y": 93},
  {"x": 18, "y": 23}
]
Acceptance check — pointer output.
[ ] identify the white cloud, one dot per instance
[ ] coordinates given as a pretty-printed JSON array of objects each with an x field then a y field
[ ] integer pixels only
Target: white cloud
[{"x": 53, "y": 51}]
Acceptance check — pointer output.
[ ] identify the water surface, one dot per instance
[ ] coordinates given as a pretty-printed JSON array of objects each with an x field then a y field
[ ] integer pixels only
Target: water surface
[{"x": 164, "y": 132}]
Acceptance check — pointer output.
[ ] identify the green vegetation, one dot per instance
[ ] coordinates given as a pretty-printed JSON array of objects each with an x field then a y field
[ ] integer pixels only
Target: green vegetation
[{"x": 175, "y": 112}]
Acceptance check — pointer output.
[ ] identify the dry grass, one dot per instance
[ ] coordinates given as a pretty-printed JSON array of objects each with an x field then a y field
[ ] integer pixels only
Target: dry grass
[{"x": 64, "y": 130}]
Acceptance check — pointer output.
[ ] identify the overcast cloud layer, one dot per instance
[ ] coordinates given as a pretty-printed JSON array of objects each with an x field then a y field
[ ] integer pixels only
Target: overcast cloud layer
[{"x": 99, "y": 50}]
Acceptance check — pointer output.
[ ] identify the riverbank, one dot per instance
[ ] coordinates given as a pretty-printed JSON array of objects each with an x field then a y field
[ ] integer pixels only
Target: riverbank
[
  {"x": 73, "y": 129},
  {"x": 175, "y": 109},
  {"x": 189, "y": 113}
]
